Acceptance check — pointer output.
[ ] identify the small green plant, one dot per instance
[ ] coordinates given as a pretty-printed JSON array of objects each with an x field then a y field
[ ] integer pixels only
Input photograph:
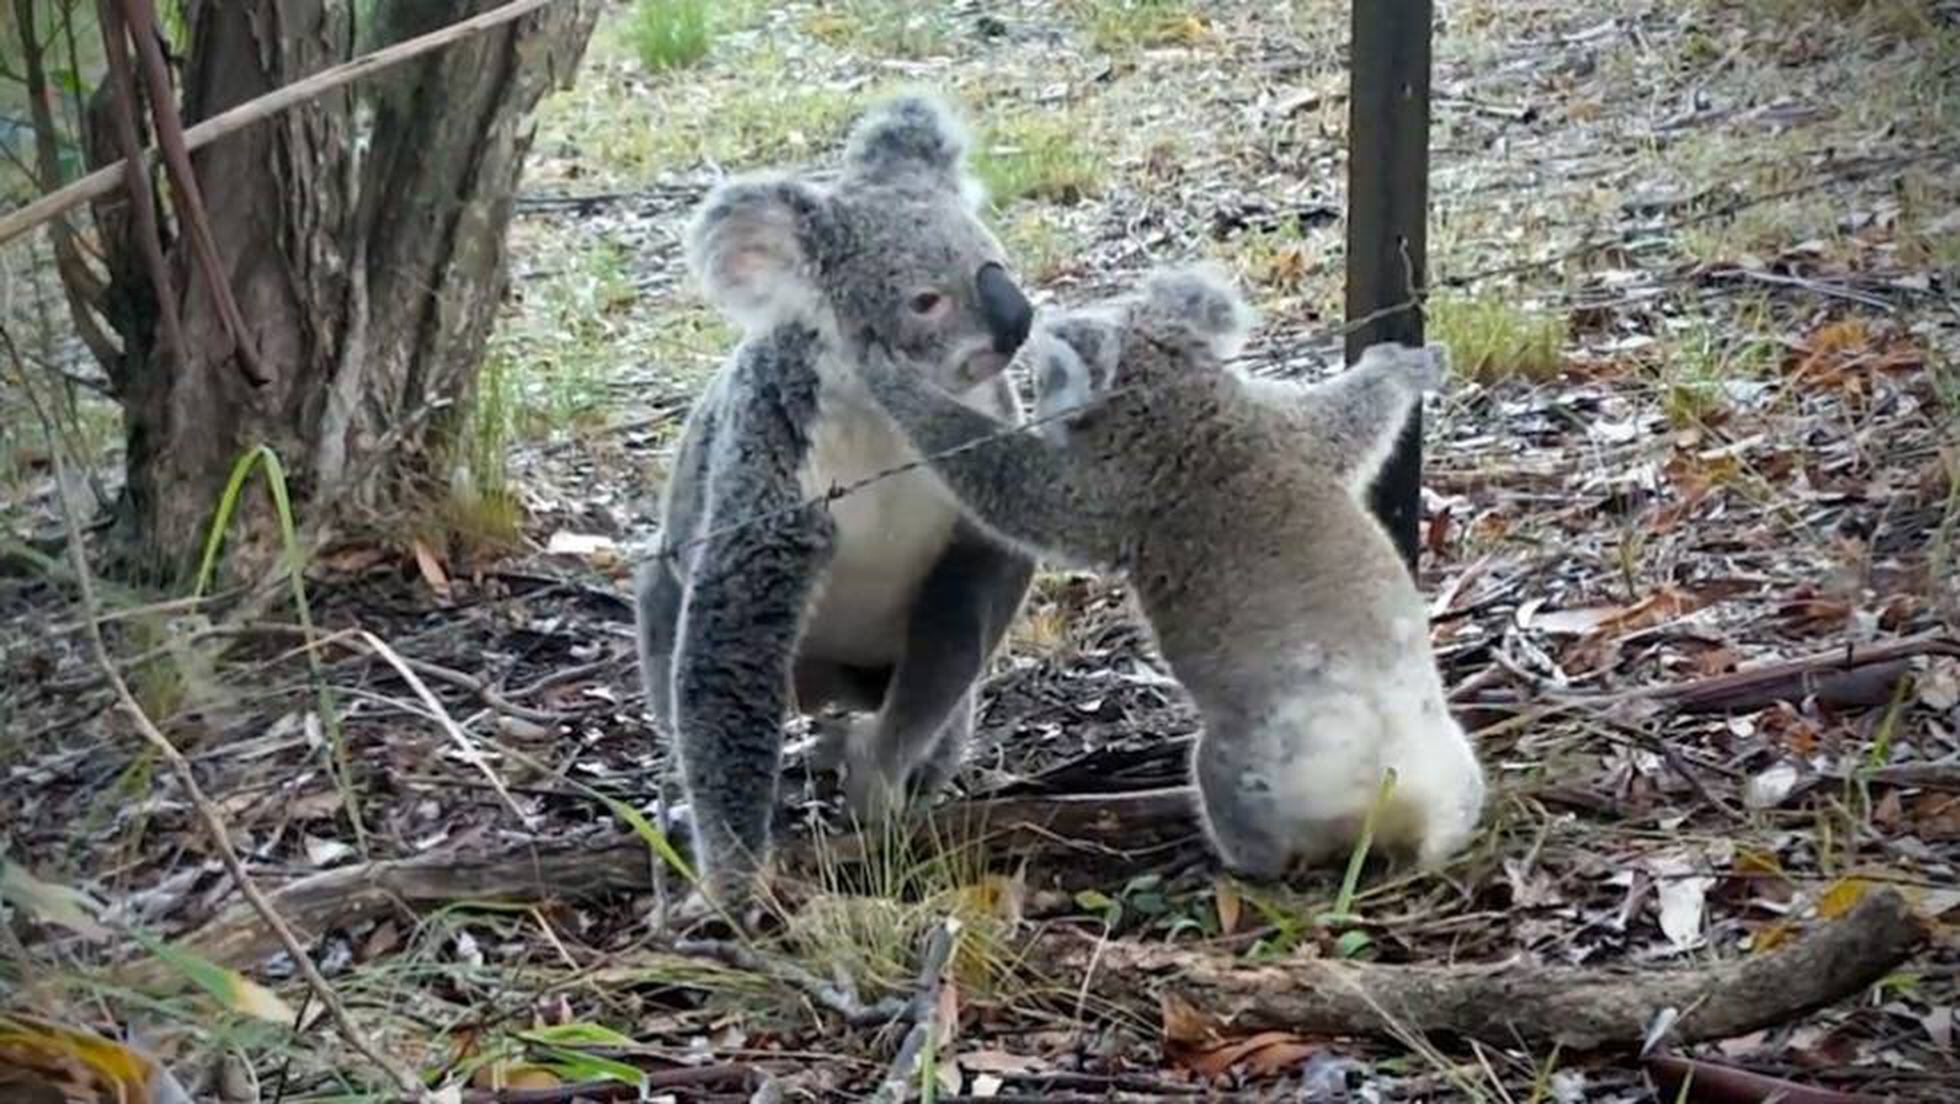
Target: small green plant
[
  {"x": 671, "y": 34},
  {"x": 1036, "y": 157},
  {"x": 1491, "y": 339},
  {"x": 1117, "y": 26},
  {"x": 883, "y": 28},
  {"x": 481, "y": 508},
  {"x": 261, "y": 456},
  {"x": 1703, "y": 362}
]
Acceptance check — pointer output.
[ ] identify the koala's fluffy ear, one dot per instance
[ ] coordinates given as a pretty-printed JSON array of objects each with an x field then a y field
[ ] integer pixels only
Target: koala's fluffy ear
[
  {"x": 913, "y": 135},
  {"x": 752, "y": 245},
  {"x": 1203, "y": 299}
]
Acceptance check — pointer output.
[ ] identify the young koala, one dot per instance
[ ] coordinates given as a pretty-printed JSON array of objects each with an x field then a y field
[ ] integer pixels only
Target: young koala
[
  {"x": 885, "y": 599},
  {"x": 1234, "y": 507}
]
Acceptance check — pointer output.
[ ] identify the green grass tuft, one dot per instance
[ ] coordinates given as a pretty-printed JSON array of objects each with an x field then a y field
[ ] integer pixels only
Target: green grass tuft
[
  {"x": 671, "y": 34},
  {"x": 1037, "y": 157},
  {"x": 1492, "y": 339},
  {"x": 1118, "y": 26}
]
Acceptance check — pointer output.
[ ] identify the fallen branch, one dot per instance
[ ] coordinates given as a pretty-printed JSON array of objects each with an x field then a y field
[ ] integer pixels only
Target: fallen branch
[
  {"x": 840, "y": 998},
  {"x": 104, "y": 180},
  {"x": 1037, "y": 828},
  {"x": 1506, "y": 1004},
  {"x": 1851, "y": 676},
  {"x": 1697, "y": 1079}
]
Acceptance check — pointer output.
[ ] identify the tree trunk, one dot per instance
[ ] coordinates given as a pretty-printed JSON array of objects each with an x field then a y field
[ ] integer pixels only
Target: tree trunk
[{"x": 368, "y": 278}]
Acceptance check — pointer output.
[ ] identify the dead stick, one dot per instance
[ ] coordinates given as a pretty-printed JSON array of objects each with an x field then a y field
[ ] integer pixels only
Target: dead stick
[
  {"x": 839, "y": 998},
  {"x": 1852, "y": 675},
  {"x": 1507, "y": 1004},
  {"x": 686, "y": 1077},
  {"x": 1698, "y": 1079},
  {"x": 140, "y": 21},
  {"x": 1025, "y": 827},
  {"x": 923, "y": 1012},
  {"x": 136, "y": 177},
  {"x": 104, "y": 180},
  {"x": 214, "y": 825}
]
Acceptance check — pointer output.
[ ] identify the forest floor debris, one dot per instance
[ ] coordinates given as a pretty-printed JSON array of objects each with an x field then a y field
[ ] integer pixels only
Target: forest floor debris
[{"x": 1700, "y": 262}]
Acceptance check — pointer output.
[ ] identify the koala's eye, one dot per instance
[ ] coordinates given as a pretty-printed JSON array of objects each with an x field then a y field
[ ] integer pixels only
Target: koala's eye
[{"x": 926, "y": 303}]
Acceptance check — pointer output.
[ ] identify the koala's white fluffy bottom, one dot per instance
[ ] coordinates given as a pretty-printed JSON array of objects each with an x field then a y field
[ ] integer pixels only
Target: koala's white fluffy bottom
[{"x": 1293, "y": 788}]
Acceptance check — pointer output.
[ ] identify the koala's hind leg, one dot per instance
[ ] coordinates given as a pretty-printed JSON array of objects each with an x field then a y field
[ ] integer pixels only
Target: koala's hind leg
[
  {"x": 739, "y": 628},
  {"x": 918, "y": 737},
  {"x": 1237, "y": 808}
]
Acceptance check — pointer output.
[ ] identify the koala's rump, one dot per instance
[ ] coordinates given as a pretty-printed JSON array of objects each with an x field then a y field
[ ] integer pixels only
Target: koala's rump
[{"x": 888, "y": 536}]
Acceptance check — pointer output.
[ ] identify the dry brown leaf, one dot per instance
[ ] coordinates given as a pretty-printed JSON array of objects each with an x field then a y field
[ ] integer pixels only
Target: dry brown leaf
[
  {"x": 1845, "y": 354},
  {"x": 353, "y": 559},
  {"x": 1936, "y": 816},
  {"x": 1841, "y": 897},
  {"x": 431, "y": 568},
  {"x": 1183, "y": 1023},
  {"x": 1195, "y": 1042},
  {"x": 80, "y": 1064},
  {"x": 1260, "y": 1055},
  {"x": 1225, "y": 892}
]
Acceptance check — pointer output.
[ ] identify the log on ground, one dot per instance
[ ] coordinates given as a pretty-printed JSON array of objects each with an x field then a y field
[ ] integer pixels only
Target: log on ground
[{"x": 1505, "y": 1004}]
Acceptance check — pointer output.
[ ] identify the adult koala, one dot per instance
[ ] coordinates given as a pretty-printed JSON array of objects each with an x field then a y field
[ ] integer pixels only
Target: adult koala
[{"x": 765, "y": 595}]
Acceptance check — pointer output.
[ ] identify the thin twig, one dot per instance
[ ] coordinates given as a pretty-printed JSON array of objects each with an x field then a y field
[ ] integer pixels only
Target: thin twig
[
  {"x": 207, "y": 812},
  {"x": 135, "y": 173},
  {"x": 449, "y": 726},
  {"x": 839, "y": 998},
  {"x": 140, "y": 24},
  {"x": 922, "y": 1011},
  {"x": 104, "y": 180}
]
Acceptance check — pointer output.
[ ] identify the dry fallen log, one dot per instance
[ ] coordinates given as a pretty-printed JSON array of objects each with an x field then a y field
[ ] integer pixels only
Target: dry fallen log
[
  {"x": 1505, "y": 1004},
  {"x": 1050, "y": 830},
  {"x": 1849, "y": 677}
]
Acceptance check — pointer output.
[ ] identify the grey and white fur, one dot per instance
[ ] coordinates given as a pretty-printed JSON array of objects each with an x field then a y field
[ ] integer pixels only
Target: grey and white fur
[
  {"x": 1235, "y": 509},
  {"x": 884, "y": 600}
]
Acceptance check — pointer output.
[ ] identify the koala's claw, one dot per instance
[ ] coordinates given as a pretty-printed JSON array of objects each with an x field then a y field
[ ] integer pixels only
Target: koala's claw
[
  {"x": 831, "y": 748},
  {"x": 874, "y": 788}
]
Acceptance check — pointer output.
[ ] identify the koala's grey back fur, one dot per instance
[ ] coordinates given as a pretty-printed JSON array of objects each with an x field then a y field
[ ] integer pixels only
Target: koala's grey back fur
[
  {"x": 1234, "y": 508},
  {"x": 884, "y": 600}
]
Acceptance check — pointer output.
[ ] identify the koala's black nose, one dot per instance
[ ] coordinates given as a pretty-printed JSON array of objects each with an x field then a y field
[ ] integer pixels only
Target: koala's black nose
[{"x": 1008, "y": 313}]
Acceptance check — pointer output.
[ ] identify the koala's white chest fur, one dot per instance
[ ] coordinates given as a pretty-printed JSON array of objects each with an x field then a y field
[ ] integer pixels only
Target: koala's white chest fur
[{"x": 889, "y": 533}]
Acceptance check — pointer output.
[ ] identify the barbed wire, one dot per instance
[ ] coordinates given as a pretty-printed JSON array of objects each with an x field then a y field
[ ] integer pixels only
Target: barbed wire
[
  {"x": 1847, "y": 171},
  {"x": 842, "y": 490}
]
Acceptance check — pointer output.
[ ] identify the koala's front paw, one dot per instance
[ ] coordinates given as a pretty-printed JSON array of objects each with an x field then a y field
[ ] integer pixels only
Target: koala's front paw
[
  {"x": 831, "y": 744},
  {"x": 1423, "y": 369},
  {"x": 1433, "y": 369},
  {"x": 731, "y": 901}
]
